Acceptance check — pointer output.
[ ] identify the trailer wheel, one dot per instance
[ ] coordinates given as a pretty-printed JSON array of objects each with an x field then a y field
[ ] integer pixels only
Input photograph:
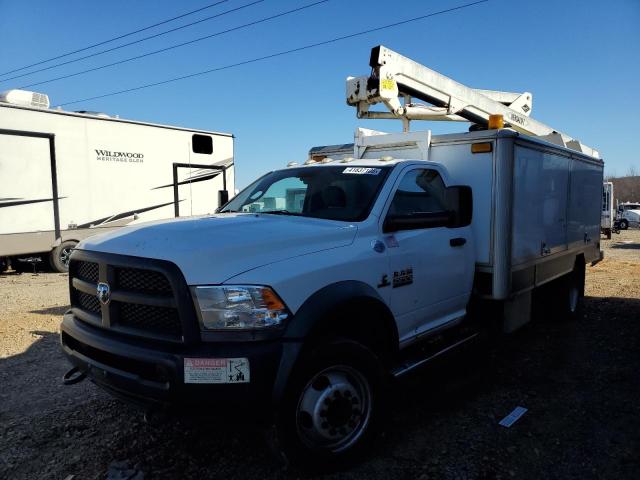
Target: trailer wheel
[
  {"x": 624, "y": 224},
  {"x": 59, "y": 256},
  {"x": 608, "y": 233},
  {"x": 331, "y": 406}
]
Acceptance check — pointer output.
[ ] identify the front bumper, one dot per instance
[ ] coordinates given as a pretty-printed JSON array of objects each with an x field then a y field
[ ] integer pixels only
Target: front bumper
[{"x": 151, "y": 373}]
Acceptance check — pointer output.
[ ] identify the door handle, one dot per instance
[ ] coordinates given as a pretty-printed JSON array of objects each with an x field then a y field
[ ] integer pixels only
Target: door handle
[{"x": 457, "y": 242}]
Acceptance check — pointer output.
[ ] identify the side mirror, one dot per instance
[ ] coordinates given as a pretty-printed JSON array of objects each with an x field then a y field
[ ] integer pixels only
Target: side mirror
[
  {"x": 223, "y": 197},
  {"x": 460, "y": 202}
]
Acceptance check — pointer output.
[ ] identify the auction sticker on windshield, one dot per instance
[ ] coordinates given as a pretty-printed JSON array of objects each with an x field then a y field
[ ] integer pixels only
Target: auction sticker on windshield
[
  {"x": 362, "y": 170},
  {"x": 216, "y": 370}
]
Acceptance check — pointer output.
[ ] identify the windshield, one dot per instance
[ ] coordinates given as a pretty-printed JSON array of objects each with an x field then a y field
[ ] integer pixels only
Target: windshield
[{"x": 334, "y": 193}]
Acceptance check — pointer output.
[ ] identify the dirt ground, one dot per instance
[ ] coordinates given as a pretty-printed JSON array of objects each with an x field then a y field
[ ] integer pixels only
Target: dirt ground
[{"x": 579, "y": 382}]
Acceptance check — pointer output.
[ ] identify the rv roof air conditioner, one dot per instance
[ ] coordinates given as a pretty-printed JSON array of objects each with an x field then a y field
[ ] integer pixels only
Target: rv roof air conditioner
[{"x": 25, "y": 98}]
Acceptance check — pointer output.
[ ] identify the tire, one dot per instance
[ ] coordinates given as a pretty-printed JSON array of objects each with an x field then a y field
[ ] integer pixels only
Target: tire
[
  {"x": 571, "y": 299},
  {"x": 608, "y": 233},
  {"x": 59, "y": 256},
  {"x": 331, "y": 407},
  {"x": 624, "y": 224}
]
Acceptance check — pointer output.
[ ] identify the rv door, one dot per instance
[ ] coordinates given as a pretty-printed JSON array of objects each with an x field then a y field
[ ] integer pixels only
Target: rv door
[{"x": 28, "y": 193}]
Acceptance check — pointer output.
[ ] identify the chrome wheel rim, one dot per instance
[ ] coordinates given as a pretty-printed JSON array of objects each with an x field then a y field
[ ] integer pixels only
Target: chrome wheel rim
[
  {"x": 64, "y": 255},
  {"x": 334, "y": 409}
]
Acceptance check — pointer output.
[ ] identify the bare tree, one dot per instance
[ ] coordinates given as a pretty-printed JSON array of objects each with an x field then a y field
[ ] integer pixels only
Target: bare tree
[{"x": 632, "y": 171}]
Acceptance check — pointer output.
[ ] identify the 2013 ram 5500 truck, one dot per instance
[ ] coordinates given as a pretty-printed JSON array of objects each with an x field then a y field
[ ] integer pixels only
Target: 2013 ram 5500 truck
[{"x": 304, "y": 294}]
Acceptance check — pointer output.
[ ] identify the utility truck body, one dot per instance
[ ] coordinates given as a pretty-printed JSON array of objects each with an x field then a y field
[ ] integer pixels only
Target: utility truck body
[
  {"x": 68, "y": 175},
  {"x": 301, "y": 298}
]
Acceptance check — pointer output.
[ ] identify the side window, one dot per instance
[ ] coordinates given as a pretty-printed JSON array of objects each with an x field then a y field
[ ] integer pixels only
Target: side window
[
  {"x": 202, "y": 144},
  {"x": 420, "y": 195}
]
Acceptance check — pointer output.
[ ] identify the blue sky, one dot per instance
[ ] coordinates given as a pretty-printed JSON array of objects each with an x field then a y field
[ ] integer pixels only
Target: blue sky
[{"x": 580, "y": 58}]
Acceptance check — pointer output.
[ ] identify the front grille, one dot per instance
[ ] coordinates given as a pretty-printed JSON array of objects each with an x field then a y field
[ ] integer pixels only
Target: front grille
[
  {"x": 161, "y": 320},
  {"x": 88, "y": 302},
  {"x": 143, "y": 301},
  {"x": 88, "y": 271},
  {"x": 142, "y": 281}
]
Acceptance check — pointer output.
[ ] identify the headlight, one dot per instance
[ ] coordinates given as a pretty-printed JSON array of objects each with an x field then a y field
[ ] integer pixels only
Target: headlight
[{"x": 239, "y": 307}]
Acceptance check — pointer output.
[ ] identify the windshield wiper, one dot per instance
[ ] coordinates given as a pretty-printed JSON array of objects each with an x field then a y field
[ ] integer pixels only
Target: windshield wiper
[{"x": 280, "y": 212}]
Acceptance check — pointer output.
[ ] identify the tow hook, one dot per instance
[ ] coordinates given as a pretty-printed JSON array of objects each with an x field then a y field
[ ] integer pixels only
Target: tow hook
[{"x": 73, "y": 376}]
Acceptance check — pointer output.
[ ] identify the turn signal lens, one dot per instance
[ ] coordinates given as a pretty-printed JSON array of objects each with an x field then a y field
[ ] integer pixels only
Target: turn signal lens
[{"x": 271, "y": 300}]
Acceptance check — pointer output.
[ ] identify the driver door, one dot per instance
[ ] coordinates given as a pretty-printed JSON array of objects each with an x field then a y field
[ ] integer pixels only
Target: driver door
[{"x": 431, "y": 265}]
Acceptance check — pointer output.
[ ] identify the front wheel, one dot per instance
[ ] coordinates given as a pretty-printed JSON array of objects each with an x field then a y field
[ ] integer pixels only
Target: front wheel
[
  {"x": 624, "y": 224},
  {"x": 331, "y": 405},
  {"x": 59, "y": 256}
]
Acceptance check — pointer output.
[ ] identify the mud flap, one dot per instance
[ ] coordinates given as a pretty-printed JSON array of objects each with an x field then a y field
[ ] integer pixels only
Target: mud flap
[{"x": 517, "y": 312}]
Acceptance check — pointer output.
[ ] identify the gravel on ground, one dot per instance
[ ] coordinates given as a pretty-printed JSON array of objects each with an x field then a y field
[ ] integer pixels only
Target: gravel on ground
[{"x": 579, "y": 382}]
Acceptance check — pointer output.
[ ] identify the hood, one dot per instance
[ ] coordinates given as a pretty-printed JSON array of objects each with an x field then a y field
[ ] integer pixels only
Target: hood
[
  {"x": 633, "y": 215},
  {"x": 215, "y": 248}
]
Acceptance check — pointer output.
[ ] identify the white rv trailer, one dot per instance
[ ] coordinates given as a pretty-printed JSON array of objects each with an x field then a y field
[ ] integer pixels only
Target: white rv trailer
[{"x": 67, "y": 175}]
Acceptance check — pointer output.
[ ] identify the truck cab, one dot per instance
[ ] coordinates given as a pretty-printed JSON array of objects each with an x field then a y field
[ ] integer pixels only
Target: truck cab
[{"x": 375, "y": 253}]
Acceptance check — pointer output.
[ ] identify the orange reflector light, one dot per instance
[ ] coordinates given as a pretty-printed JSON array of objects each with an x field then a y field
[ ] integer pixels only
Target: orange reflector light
[
  {"x": 496, "y": 122},
  {"x": 271, "y": 300},
  {"x": 485, "y": 147}
]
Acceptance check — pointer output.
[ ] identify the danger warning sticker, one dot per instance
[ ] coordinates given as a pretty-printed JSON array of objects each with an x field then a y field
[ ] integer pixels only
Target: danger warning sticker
[{"x": 216, "y": 370}]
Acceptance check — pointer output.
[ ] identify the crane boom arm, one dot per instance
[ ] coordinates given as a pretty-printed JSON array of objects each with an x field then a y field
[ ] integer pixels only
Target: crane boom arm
[{"x": 394, "y": 77}]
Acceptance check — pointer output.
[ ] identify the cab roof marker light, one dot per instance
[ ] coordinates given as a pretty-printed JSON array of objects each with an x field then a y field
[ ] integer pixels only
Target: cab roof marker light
[
  {"x": 496, "y": 122},
  {"x": 484, "y": 147},
  {"x": 347, "y": 160},
  {"x": 292, "y": 164},
  {"x": 386, "y": 158},
  {"x": 311, "y": 161},
  {"x": 326, "y": 160}
]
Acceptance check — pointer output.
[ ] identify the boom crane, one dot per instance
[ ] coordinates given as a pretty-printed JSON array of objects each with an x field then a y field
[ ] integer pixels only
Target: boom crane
[{"x": 394, "y": 76}]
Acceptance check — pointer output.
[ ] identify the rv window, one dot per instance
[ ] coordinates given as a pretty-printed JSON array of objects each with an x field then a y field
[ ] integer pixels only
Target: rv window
[{"x": 202, "y": 144}]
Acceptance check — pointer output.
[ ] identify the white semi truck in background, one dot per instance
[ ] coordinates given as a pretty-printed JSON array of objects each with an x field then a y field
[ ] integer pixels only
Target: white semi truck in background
[
  {"x": 67, "y": 175},
  {"x": 318, "y": 284}
]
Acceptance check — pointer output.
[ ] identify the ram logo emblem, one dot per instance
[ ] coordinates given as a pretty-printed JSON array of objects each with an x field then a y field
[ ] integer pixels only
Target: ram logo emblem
[{"x": 104, "y": 293}]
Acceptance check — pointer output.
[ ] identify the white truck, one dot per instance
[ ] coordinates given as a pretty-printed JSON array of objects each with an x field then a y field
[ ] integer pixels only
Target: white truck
[
  {"x": 301, "y": 298},
  {"x": 67, "y": 175},
  {"x": 628, "y": 215}
]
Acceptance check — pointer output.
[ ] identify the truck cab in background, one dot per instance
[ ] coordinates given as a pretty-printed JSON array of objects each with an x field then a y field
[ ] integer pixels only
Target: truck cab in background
[{"x": 628, "y": 215}]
